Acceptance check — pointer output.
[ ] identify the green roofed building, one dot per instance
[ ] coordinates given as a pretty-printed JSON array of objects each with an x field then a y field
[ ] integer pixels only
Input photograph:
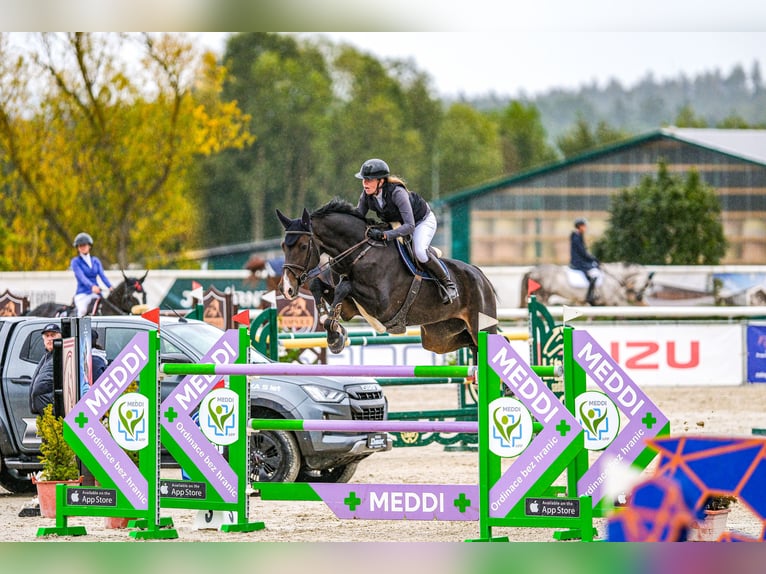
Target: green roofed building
[{"x": 526, "y": 219}]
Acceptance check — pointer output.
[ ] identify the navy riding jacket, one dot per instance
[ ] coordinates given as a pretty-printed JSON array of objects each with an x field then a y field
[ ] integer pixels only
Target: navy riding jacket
[{"x": 579, "y": 256}]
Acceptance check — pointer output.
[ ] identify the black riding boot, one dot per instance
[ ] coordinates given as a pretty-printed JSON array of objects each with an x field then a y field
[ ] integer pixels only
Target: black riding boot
[
  {"x": 448, "y": 288},
  {"x": 590, "y": 298}
]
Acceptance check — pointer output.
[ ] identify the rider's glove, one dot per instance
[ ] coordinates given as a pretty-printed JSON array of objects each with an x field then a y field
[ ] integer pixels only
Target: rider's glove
[{"x": 376, "y": 234}]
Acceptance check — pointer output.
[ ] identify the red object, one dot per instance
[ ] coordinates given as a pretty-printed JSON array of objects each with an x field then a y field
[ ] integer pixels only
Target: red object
[
  {"x": 532, "y": 286},
  {"x": 243, "y": 317},
  {"x": 196, "y": 285},
  {"x": 152, "y": 315}
]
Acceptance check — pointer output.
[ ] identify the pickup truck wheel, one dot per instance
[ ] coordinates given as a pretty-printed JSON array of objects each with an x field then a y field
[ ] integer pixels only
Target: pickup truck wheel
[
  {"x": 15, "y": 485},
  {"x": 274, "y": 457},
  {"x": 341, "y": 473}
]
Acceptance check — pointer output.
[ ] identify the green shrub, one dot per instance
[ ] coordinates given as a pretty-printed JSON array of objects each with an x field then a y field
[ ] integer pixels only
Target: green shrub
[{"x": 59, "y": 462}]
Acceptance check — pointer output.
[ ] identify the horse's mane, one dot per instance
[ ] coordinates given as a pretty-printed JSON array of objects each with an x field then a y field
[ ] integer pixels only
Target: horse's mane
[{"x": 337, "y": 205}]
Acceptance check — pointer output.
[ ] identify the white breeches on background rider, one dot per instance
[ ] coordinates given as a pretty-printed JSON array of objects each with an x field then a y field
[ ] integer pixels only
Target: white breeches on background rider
[
  {"x": 84, "y": 302},
  {"x": 422, "y": 236},
  {"x": 593, "y": 273}
]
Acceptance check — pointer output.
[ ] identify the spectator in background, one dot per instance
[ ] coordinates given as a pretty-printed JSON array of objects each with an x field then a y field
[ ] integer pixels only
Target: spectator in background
[{"x": 41, "y": 387}]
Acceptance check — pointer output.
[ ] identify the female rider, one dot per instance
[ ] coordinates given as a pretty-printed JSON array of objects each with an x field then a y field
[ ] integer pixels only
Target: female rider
[{"x": 390, "y": 199}]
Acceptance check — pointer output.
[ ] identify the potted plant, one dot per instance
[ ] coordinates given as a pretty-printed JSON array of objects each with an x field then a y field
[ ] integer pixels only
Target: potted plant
[
  {"x": 58, "y": 460},
  {"x": 717, "y": 509}
]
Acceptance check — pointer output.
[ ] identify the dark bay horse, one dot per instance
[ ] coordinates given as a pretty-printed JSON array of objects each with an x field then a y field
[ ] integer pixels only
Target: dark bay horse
[
  {"x": 121, "y": 300},
  {"x": 370, "y": 279}
]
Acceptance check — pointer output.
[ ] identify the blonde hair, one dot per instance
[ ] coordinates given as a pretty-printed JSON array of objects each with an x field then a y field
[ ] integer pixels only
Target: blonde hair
[{"x": 396, "y": 180}]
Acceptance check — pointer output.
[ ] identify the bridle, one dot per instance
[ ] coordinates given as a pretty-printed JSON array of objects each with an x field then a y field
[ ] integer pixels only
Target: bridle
[
  {"x": 303, "y": 273},
  {"x": 629, "y": 290}
]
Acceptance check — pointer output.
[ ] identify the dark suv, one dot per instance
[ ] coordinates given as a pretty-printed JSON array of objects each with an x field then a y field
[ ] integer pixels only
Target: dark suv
[{"x": 275, "y": 455}]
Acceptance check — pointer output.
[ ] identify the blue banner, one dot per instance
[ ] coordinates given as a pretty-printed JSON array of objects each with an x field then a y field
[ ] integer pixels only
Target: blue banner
[{"x": 756, "y": 353}]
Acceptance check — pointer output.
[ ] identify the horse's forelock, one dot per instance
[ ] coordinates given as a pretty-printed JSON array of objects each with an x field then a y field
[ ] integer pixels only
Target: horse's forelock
[{"x": 296, "y": 225}]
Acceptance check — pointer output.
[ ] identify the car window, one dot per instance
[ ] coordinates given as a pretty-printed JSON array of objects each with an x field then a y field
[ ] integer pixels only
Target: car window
[
  {"x": 33, "y": 348},
  {"x": 116, "y": 339},
  {"x": 199, "y": 336}
]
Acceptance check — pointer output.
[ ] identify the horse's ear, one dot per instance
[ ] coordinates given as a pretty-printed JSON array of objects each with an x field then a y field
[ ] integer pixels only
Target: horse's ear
[
  {"x": 286, "y": 221},
  {"x": 125, "y": 277},
  {"x": 306, "y": 219},
  {"x": 144, "y": 277}
]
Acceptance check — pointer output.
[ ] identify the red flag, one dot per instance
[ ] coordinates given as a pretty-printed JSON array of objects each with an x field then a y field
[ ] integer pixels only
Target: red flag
[
  {"x": 152, "y": 315},
  {"x": 196, "y": 285},
  {"x": 243, "y": 317},
  {"x": 532, "y": 286}
]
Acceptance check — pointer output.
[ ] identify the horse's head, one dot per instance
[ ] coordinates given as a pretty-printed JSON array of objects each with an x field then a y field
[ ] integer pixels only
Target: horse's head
[
  {"x": 637, "y": 281},
  {"x": 301, "y": 253},
  {"x": 130, "y": 292}
]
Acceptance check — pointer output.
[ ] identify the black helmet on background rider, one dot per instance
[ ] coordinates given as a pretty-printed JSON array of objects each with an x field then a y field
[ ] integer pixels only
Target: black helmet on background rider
[
  {"x": 373, "y": 169},
  {"x": 580, "y": 221},
  {"x": 82, "y": 239}
]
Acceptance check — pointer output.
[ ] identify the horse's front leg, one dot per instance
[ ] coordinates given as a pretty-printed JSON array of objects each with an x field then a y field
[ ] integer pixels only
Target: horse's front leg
[
  {"x": 336, "y": 333},
  {"x": 323, "y": 294}
]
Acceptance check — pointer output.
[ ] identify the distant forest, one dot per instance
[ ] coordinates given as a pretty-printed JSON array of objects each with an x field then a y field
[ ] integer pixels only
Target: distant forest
[{"x": 736, "y": 99}]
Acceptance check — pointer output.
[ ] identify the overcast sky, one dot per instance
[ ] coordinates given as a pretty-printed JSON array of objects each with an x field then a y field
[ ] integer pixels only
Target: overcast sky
[
  {"x": 476, "y": 63},
  {"x": 516, "y": 62}
]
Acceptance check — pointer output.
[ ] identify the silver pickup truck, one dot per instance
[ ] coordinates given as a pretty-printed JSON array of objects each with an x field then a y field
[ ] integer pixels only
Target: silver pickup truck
[{"x": 275, "y": 456}]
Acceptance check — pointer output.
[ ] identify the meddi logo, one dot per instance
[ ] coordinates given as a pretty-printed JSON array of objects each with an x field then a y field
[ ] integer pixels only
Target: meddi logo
[
  {"x": 510, "y": 428},
  {"x": 218, "y": 416},
  {"x": 128, "y": 421},
  {"x": 599, "y": 417}
]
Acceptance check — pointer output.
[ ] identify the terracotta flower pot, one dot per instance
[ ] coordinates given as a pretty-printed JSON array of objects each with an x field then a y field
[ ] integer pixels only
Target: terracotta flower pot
[
  {"x": 711, "y": 528},
  {"x": 116, "y": 521},
  {"x": 46, "y": 494}
]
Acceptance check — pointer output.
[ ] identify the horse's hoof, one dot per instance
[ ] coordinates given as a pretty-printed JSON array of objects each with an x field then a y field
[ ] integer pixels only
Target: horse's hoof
[{"x": 336, "y": 345}]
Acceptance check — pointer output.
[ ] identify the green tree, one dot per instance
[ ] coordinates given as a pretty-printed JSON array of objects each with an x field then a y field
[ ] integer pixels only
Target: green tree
[
  {"x": 582, "y": 138},
  {"x": 469, "y": 148},
  {"x": 522, "y": 138},
  {"x": 91, "y": 140},
  {"x": 686, "y": 118},
  {"x": 665, "y": 220}
]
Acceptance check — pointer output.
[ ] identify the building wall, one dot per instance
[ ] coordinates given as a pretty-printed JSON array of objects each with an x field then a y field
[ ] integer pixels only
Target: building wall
[{"x": 529, "y": 221}]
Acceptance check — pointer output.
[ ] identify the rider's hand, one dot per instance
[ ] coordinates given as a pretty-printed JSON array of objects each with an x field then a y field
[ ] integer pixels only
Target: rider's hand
[
  {"x": 95, "y": 289},
  {"x": 376, "y": 234}
]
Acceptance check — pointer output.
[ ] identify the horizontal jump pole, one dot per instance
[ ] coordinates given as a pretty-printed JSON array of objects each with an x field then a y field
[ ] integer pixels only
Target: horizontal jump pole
[
  {"x": 411, "y": 332},
  {"x": 356, "y": 340},
  {"x": 539, "y": 370},
  {"x": 352, "y": 341},
  {"x": 365, "y": 426},
  {"x": 297, "y": 369}
]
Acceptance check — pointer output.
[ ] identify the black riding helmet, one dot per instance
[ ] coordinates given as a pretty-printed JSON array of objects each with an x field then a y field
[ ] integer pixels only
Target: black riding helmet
[
  {"x": 373, "y": 169},
  {"x": 82, "y": 239}
]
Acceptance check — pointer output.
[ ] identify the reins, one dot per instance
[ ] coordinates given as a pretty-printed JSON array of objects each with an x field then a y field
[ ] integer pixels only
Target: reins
[{"x": 302, "y": 273}]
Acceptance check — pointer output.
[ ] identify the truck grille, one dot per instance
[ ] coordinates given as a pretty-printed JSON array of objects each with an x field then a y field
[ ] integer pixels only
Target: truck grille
[
  {"x": 361, "y": 395},
  {"x": 368, "y": 414}
]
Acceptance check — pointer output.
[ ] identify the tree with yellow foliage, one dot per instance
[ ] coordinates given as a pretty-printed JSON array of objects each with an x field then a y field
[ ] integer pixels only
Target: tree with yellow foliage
[{"x": 102, "y": 133}]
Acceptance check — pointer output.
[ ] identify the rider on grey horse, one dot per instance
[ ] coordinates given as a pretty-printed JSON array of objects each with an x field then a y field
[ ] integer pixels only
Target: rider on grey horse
[{"x": 580, "y": 258}]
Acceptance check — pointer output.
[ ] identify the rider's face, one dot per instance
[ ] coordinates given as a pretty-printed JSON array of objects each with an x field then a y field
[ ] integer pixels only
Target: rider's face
[{"x": 370, "y": 186}]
